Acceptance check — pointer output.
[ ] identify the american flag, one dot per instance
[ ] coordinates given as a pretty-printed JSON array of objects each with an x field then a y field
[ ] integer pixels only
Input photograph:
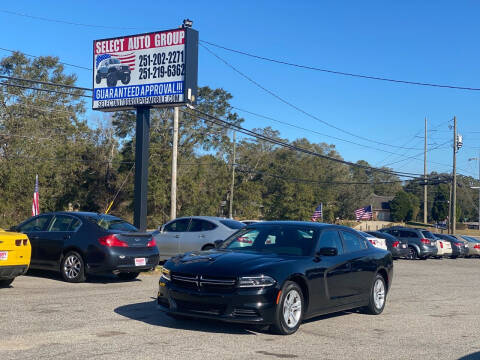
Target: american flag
[
  {"x": 318, "y": 213},
  {"x": 35, "y": 202},
  {"x": 364, "y": 213},
  {"x": 127, "y": 59}
]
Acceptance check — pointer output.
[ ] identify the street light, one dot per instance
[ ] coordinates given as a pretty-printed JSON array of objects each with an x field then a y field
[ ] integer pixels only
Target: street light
[{"x": 477, "y": 187}]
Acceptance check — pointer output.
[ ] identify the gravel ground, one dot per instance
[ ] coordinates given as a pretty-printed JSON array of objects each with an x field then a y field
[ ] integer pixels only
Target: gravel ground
[{"x": 431, "y": 313}]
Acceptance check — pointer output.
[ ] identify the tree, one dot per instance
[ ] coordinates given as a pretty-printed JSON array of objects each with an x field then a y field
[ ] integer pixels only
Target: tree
[{"x": 400, "y": 206}]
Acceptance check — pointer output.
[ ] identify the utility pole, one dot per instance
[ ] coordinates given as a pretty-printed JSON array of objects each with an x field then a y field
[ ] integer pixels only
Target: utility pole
[
  {"x": 425, "y": 217},
  {"x": 173, "y": 195},
  {"x": 454, "y": 180},
  {"x": 233, "y": 178}
]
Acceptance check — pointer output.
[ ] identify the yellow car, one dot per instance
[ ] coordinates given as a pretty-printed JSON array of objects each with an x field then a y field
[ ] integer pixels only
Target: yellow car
[{"x": 15, "y": 252}]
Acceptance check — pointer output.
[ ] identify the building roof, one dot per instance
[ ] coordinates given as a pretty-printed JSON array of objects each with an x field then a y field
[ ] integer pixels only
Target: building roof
[{"x": 379, "y": 202}]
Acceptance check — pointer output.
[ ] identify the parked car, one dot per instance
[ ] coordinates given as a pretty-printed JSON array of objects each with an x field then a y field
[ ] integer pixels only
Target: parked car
[
  {"x": 458, "y": 247},
  {"x": 82, "y": 243},
  {"x": 375, "y": 241},
  {"x": 15, "y": 251},
  {"x": 193, "y": 233},
  {"x": 473, "y": 246},
  {"x": 291, "y": 271},
  {"x": 421, "y": 242},
  {"x": 398, "y": 248},
  {"x": 444, "y": 248}
]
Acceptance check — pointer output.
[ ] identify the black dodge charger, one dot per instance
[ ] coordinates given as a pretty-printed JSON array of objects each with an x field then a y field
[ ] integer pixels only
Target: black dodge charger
[
  {"x": 278, "y": 273},
  {"x": 82, "y": 243}
]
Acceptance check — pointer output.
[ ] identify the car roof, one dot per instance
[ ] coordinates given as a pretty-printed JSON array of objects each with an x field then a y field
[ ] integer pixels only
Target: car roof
[
  {"x": 299, "y": 223},
  {"x": 78, "y": 213}
]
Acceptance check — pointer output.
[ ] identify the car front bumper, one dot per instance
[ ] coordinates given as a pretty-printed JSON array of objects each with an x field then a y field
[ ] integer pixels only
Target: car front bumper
[
  {"x": 12, "y": 271},
  {"x": 254, "y": 306}
]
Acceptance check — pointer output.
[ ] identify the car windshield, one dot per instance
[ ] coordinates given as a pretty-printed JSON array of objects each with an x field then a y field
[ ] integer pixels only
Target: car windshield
[
  {"x": 232, "y": 224},
  {"x": 109, "y": 222},
  {"x": 290, "y": 240}
]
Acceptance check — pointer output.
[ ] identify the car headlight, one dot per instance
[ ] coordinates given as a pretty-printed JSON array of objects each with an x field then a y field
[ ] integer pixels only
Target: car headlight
[
  {"x": 256, "y": 281},
  {"x": 165, "y": 275}
]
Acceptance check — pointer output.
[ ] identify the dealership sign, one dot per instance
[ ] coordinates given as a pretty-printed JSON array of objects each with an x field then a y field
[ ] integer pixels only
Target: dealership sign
[{"x": 154, "y": 69}]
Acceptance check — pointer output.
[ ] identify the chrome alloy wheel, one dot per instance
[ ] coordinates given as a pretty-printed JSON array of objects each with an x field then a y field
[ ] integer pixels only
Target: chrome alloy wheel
[
  {"x": 72, "y": 266},
  {"x": 379, "y": 293},
  {"x": 292, "y": 308}
]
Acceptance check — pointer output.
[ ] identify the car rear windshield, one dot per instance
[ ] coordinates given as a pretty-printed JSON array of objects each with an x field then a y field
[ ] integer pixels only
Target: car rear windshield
[
  {"x": 232, "y": 224},
  {"x": 428, "y": 234},
  {"x": 112, "y": 223},
  {"x": 289, "y": 240}
]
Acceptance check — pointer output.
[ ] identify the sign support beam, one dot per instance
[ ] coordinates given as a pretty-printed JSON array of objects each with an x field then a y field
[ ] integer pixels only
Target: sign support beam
[{"x": 142, "y": 138}]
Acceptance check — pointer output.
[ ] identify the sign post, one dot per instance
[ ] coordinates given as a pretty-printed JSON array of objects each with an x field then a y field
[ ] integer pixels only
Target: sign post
[{"x": 140, "y": 72}]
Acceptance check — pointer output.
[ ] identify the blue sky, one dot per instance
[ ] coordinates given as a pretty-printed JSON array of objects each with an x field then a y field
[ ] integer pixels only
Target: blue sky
[{"x": 427, "y": 41}]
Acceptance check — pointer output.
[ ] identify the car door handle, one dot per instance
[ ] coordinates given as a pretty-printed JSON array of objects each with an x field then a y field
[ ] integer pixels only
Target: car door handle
[
  {"x": 34, "y": 237},
  {"x": 201, "y": 236},
  {"x": 177, "y": 236}
]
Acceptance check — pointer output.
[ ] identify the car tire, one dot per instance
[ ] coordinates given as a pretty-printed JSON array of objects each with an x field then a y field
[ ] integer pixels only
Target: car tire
[
  {"x": 111, "y": 80},
  {"x": 425, "y": 258},
  {"x": 6, "y": 283},
  {"x": 289, "y": 310},
  {"x": 98, "y": 79},
  {"x": 412, "y": 253},
  {"x": 72, "y": 267},
  {"x": 126, "y": 79},
  {"x": 378, "y": 296},
  {"x": 129, "y": 276}
]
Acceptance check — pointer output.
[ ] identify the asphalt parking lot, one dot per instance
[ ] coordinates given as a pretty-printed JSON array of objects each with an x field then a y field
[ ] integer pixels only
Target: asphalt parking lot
[{"x": 432, "y": 312}]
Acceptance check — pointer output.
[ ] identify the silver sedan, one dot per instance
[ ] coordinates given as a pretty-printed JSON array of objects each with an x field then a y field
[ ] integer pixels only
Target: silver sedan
[{"x": 192, "y": 234}]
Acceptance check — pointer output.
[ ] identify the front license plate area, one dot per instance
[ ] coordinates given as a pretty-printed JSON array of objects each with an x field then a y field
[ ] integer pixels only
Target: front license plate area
[
  {"x": 3, "y": 255},
  {"x": 140, "y": 262}
]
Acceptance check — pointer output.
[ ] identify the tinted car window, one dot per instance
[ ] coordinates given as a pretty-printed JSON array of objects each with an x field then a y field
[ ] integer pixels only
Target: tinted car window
[
  {"x": 61, "y": 223},
  {"x": 180, "y": 225},
  {"x": 201, "y": 225},
  {"x": 75, "y": 225},
  {"x": 299, "y": 241},
  {"x": 331, "y": 238},
  {"x": 407, "y": 234},
  {"x": 353, "y": 242},
  {"x": 37, "y": 224},
  {"x": 232, "y": 224},
  {"x": 428, "y": 234}
]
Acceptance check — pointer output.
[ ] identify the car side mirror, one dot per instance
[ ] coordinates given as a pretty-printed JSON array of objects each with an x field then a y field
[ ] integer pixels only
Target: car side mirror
[
  {"x": 161, "y": 228},
  {"x": 328, "y": 251},
  {"x": 218, "y": 243}
]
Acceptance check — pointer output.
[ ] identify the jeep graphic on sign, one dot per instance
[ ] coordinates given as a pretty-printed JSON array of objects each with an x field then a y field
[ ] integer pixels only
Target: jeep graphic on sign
[{"x": 113, "y": 70}]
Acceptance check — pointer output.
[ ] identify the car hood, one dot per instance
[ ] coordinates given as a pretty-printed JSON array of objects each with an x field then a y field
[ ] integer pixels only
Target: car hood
[{"x": 223, "y": 263}]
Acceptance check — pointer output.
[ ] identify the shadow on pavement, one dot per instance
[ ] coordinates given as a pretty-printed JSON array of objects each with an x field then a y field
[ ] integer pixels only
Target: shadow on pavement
[
  {"x": 148, "y": 313},
  {"x": 472, "y": 356},
  {"x": 94, "y": 279}
]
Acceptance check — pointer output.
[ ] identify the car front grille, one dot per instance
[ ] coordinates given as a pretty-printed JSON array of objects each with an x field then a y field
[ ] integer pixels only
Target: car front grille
[
  {"x": 203, "y": 283},
  {"x": 202, "y": 308}
]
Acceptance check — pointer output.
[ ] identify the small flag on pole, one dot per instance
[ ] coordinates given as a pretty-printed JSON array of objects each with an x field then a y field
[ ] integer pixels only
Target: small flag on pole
[
  {"x": 318, "y": 213},
  {"x": 35, "y": 202},
  {"x": 364, "y": 213}
]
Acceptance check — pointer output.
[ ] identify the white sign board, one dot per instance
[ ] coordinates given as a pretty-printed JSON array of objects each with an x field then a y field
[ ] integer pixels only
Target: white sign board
[{"x": 145, "y": 70}]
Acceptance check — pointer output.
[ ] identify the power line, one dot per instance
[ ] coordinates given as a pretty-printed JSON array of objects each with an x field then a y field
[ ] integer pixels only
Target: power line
[
  {"x": 218, "y": 121},
  {"x": 295, "y": 106},
  {"x": 370, "y": 77},
  {"x": 36, "y": 56},
  {"x": 68, "y": 22},
  {"x": 45, "y": 90},
  {"x": 45, "y": 83}
]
